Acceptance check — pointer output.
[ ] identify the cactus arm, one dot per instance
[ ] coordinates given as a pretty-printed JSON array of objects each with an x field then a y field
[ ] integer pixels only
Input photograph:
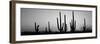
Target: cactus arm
[
  {"x": 38, "y": 28},
  {"x": 60, "y": 19},
  {"x": 57, "y": 24}
]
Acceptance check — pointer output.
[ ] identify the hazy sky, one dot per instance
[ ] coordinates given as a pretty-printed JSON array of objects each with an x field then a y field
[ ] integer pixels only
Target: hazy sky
[{"x": 41, "y": 16}]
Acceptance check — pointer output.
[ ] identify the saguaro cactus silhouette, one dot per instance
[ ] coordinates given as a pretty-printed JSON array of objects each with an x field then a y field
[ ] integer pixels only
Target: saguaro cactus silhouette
[
  {"x": 65, "y": 25},
  {"x": 73, "y": 23},
  {"x": 59, "y": 27},
  {"x": 49, "y": 26},
  {"x": 84, "y": 27},
  {"x": 36, "y": 27}
]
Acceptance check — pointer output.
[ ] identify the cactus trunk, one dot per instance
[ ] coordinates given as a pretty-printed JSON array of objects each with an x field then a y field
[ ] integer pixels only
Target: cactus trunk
[
  {"x": 73, "y": 23},
  {"x": 65, "y": 25},
  {"x": 60, "y": 18},
  {"x": 57, "y": 24},
  {"x": 84, "y": 27},
  {"x": 49, "y": 26},
  {"x": 35, "y": 25}
]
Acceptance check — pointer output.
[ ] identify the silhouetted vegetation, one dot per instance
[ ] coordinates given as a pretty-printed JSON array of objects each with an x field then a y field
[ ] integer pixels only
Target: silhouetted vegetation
[
  {"x": 65, "y": 25},
  {"x": 62, "y": 27},
  {"x": 84, "y": 27},
  {"x": 59, "y": 25},
  {"x": 73, "y": 23},
  {"x": 36, "y": 28},
  {"x": 49, "y": 26}
]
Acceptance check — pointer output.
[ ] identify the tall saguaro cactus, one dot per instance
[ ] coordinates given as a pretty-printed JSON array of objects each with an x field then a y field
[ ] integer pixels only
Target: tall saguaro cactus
[
  {"x": 49, "y": 26},
  {"x": 84, "y": 27},
  {"x": 65, "y": 25},
  {"x": 36, "y": 27},
  {"x": 59, "y": 27},
  {"x": 73, "y": 23}
]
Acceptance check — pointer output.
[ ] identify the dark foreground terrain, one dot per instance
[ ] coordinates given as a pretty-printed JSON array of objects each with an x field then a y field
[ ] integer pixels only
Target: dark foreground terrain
[{"x": 42, "y": 33}]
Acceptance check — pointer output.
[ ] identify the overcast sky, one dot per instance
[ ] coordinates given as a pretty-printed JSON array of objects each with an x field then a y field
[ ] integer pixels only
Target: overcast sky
[{"x": 41, "y": 16}]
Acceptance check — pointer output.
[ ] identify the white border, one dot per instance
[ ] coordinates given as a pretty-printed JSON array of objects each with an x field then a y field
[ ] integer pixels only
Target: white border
[{"x": 54, "y": 36}]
